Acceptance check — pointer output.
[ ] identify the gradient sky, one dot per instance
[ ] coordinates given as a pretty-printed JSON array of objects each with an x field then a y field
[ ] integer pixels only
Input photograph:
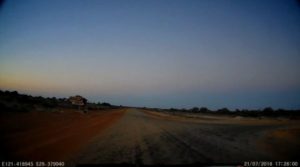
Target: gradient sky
[{"x": 154, "y": 53}]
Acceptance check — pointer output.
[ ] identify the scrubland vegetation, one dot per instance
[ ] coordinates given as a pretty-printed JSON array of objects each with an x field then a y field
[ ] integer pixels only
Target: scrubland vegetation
[
  {"x": 12, "y": 101},
  {"x": 266, "y": 112},
  {"x": 15, "y": 102}
]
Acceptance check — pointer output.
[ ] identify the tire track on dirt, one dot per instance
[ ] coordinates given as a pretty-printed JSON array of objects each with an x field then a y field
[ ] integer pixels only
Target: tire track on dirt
[
  {"x": 180, "y": 142},
  {"x": 140, "y": 139}
]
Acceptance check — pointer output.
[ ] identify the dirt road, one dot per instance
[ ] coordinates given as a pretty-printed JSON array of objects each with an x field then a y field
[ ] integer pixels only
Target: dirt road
[
  {"x": 144, "y": 137},
  {"x": 138, "y": 136}
]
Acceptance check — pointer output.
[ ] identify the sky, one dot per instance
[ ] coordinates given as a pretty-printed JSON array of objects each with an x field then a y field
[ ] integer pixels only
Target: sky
[{"x": 154, "y": 53}]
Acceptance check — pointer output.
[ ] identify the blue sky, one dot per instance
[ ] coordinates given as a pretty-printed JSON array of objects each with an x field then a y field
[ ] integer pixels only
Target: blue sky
[{"x": 164, "y": 53}]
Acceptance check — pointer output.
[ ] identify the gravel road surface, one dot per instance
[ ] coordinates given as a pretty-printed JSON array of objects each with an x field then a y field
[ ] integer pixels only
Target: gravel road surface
[{"x": 143, "y": 137}]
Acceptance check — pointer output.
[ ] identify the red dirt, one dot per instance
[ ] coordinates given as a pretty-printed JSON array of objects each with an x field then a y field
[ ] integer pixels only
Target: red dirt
[{"x": 46, "y": 136}]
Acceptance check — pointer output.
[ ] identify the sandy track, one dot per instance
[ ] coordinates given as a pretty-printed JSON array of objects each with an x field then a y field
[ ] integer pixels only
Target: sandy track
[{"x": 150, "y": 138}]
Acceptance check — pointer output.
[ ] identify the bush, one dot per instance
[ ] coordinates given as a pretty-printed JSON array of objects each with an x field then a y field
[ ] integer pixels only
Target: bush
[
  {"x": 194, "y": 110},
  {"x": 224, "y": 111},
  {"x": 268, "y": 111},
  {"x": 203, "y": 109},
  {"x": 106, "y": 104}
]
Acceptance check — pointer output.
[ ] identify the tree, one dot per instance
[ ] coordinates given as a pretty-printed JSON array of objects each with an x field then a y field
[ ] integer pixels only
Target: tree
[
  {"x": 195, "y": 109},
  {"x": 223, "y": 110},
  {"x": 203, "y": 109},
  {"x": 268, "y": 111},
  {"x": 106, "y": 104}
]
